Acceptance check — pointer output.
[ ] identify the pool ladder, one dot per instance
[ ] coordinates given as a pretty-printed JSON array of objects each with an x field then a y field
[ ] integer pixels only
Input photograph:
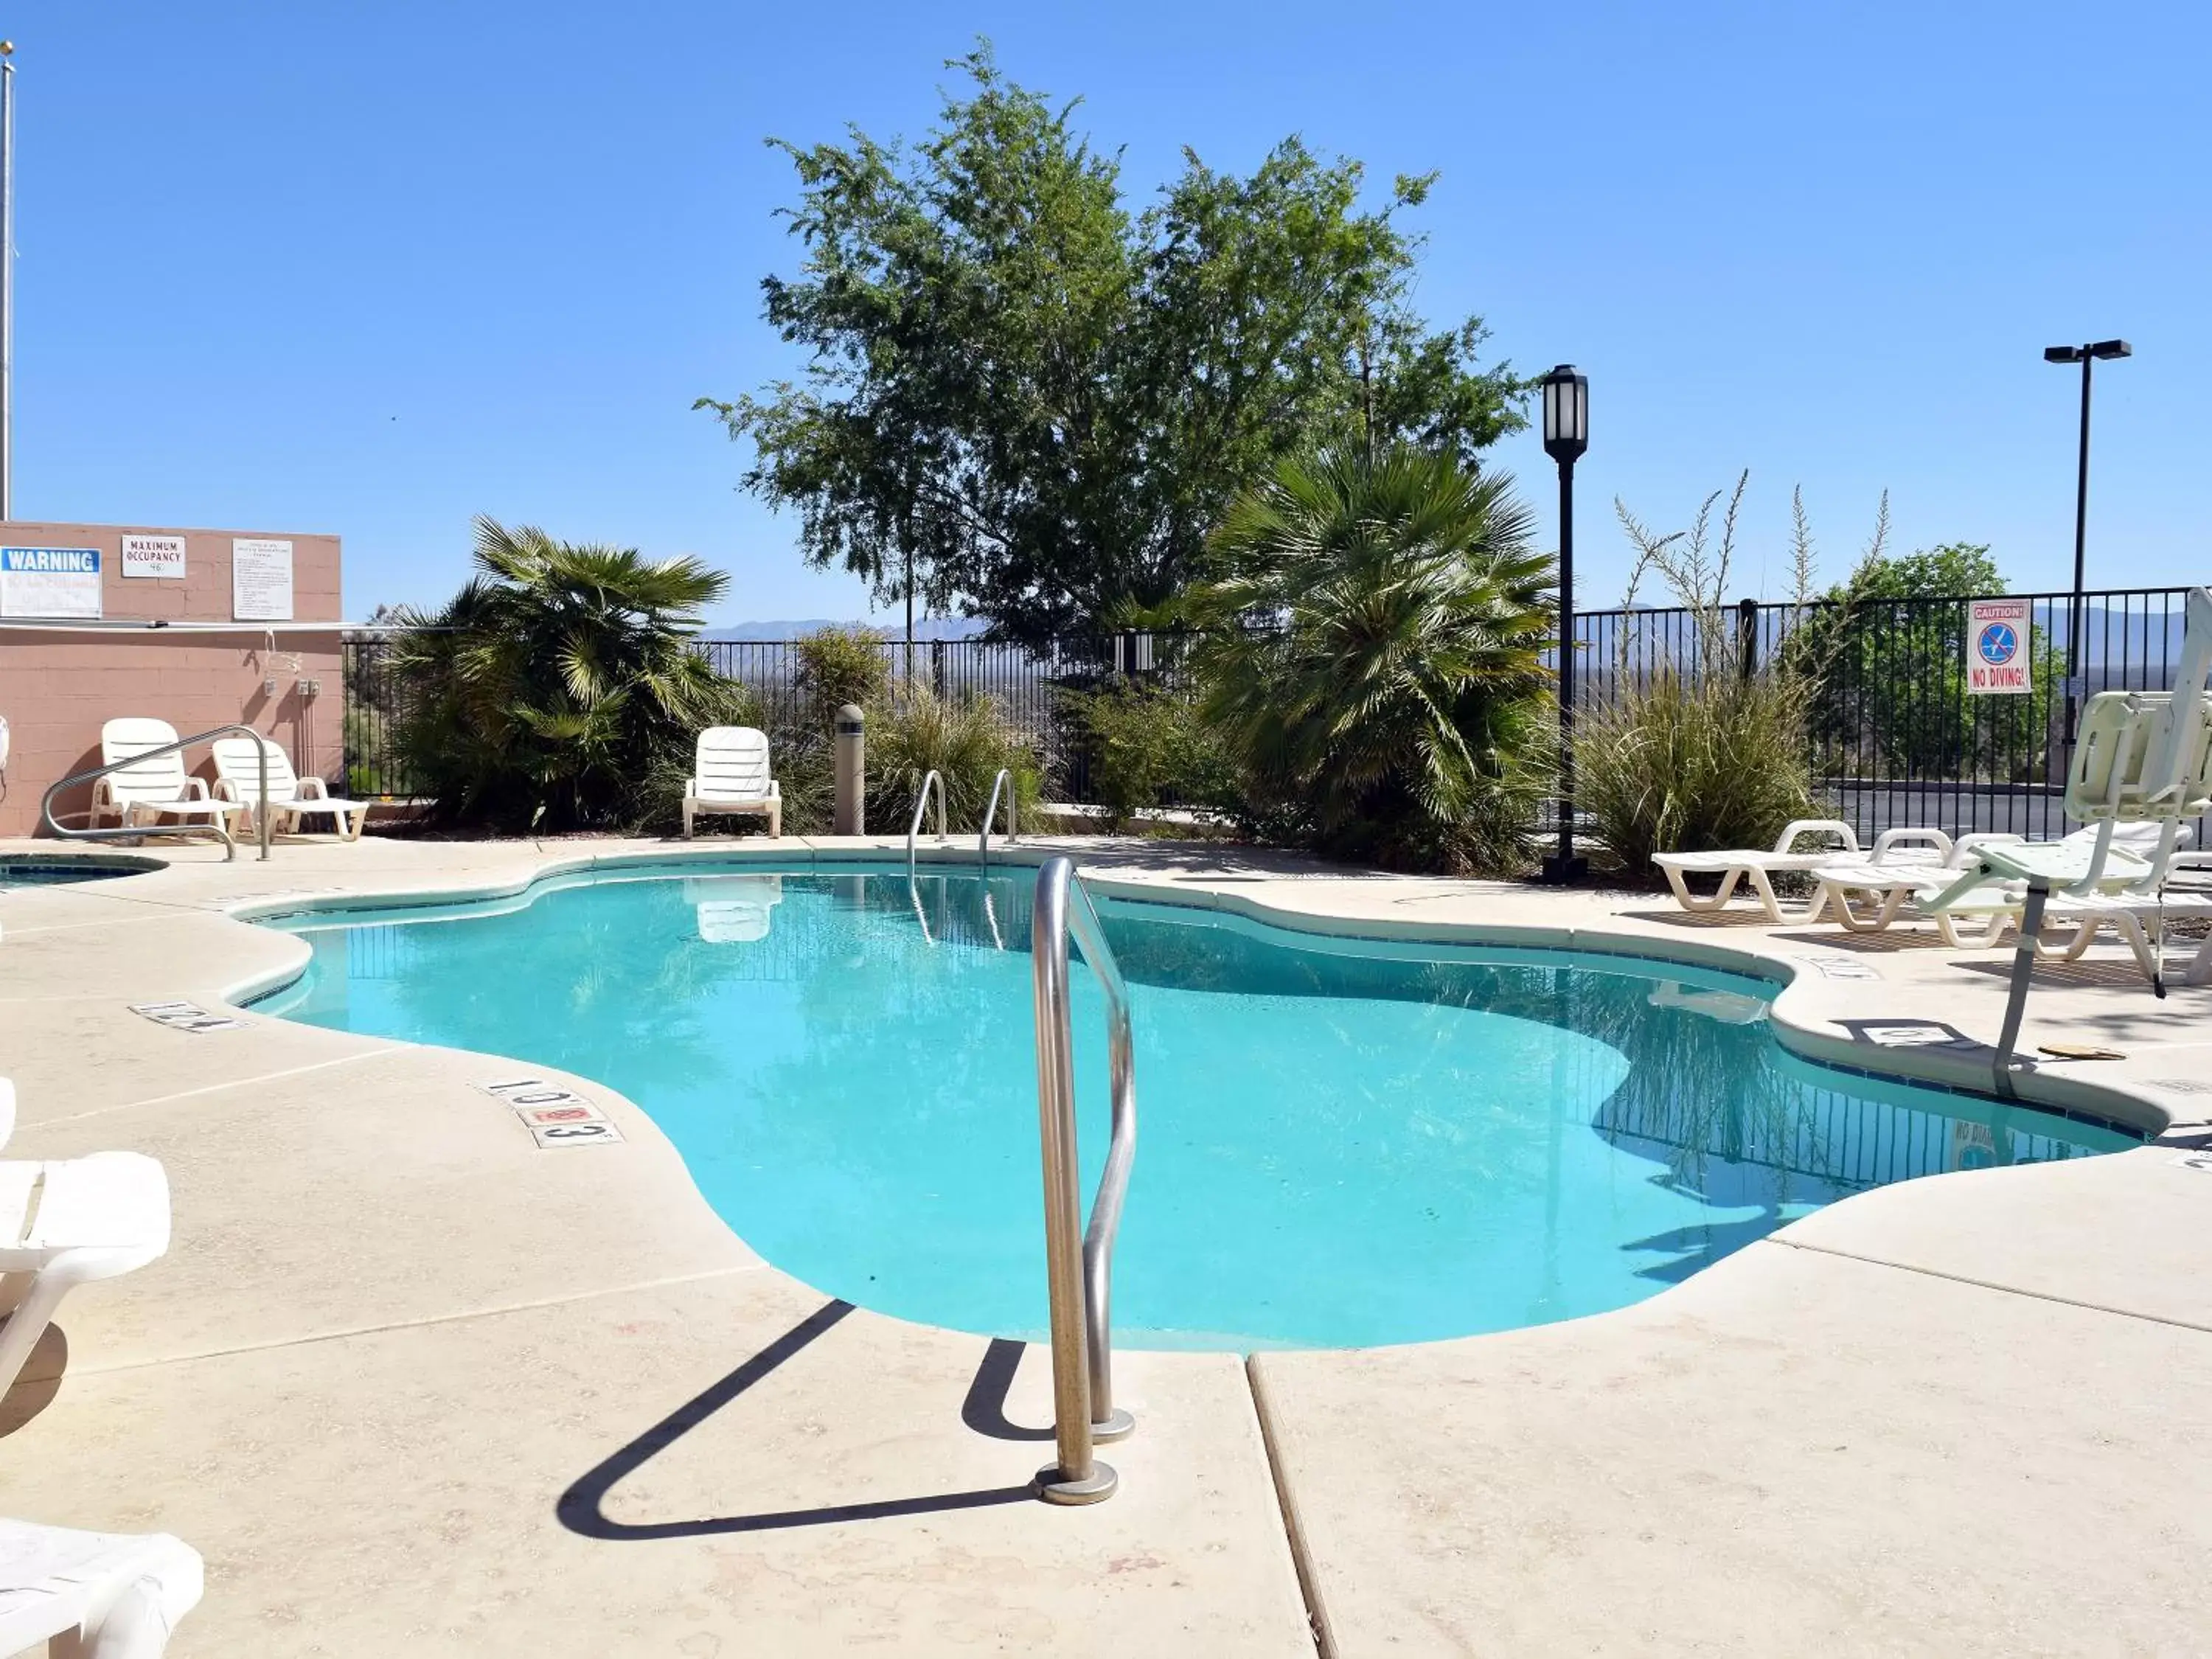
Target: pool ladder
[
  {"x": 130, "y": 831},
  {"x": 1080, "y": 1274},
  {"x": 934, "y": 781}
]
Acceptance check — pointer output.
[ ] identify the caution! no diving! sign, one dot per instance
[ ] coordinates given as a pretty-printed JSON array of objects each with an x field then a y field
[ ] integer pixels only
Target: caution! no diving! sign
[{"x": 1999, "y": 633}]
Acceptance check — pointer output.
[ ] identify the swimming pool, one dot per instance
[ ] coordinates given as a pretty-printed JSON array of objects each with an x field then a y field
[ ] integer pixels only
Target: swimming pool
[{"x": 1341, "y": 1142}]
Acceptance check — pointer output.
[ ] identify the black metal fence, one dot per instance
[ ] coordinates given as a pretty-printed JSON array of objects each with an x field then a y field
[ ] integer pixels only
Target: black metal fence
[{"x": 1896, "y": 736}]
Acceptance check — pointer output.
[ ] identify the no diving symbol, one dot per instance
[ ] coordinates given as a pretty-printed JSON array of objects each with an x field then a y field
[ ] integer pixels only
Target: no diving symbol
[{"x": 1998, "y": 645}]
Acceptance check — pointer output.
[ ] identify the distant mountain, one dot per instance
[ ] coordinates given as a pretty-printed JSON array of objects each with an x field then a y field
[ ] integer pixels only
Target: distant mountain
[{"x": 934, "y": 627}]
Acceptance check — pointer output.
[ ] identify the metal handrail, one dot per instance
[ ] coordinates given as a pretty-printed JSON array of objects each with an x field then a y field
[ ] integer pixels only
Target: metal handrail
[
  {"x": 913, "y": 828},
  {"x": 1081, "y": 1278},
  {"x": 1005, "y": 780},
  {"x": 130, "y": 830}
]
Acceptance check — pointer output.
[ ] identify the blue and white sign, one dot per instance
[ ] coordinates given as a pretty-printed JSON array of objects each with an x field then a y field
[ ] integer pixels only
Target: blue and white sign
[
  {"x": 1997, "y": 650},
  {"x": 49, "y": 581}
]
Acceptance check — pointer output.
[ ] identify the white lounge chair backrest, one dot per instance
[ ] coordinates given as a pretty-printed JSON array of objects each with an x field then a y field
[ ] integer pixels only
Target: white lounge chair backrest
[
  {"x": 101, "y": 1593},
  {"x": 733, "y": 764},
  {"x": 237, "y": 765},
  {"x": 2146, "y": 756},
  {"x": 157, "y": 777}
]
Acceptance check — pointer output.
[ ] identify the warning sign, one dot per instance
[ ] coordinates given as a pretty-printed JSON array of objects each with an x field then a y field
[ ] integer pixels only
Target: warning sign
[{"x": 1997, "y": 636}]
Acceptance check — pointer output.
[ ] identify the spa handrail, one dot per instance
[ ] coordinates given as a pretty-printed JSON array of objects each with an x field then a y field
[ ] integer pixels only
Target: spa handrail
[
  {"x": 130, "y": 830},
  {"x": 1081, "y": 1278},
  {"x": 1003, "y": 780},
  {"x": 913, "y": 827}
]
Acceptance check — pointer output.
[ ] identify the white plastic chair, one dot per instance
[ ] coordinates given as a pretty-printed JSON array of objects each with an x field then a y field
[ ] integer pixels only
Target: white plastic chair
[
  {"x": 291, "y": 797},
  {"x": 152, "y": 788},
  {"x": 1757, "y": 866},
  {"x": 64, "y": 1223},
  {"x": 93, "y": 1595},
  {"x": 731, "y": 775}
]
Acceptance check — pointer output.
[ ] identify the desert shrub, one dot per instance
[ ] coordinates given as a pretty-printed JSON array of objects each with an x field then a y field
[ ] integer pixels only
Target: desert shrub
[
  {"x": 965, "y": 739},
  {"x": 838, "y": 666},
  {"x": 558, "y": 685},
  {"x": 1690, "y": 753},
  {"x": 1372, "y": 659},
  {"x": 1148, "y": 746}
]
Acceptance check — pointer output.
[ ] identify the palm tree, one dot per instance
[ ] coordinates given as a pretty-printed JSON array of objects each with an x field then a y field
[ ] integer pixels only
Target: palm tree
[
  {"x": 1373, "y": 656},
  {"x": 556, "y": 682}
]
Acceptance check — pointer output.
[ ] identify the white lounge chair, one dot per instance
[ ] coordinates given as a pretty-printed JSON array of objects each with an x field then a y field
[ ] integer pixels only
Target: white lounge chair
[
  {"x": 93, "y": 1595},
  {"x": 1758, "y": 866},
  {"x": 2142, "y": 767},
  {"x": 291, "y": 797},
  {"x": 1905, "y": 892},
  {"x": 731, "y": 775},
  {"x": 66, "y": 1222},
  {"x": 152, "y": 788}
]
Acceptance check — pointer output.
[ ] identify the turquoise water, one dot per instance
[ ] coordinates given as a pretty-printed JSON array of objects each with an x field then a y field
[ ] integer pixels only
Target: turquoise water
[
  {"x": 1339, "y": 1144},
  {"x": 55, "y": 872}
]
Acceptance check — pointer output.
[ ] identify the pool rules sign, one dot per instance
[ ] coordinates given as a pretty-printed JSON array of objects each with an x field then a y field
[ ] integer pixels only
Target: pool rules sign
[{"x": 1997, "y": 636}]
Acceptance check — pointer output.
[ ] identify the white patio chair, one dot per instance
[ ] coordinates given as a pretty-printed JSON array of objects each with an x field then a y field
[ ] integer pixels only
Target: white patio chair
[
  {"x": 93, "y": 1595},
  {"x": 1758, "y": 867},
  {"x": 731, "y": 775},
  {"x": 291, "y": 797},
  {"x": 154, "y": 787},
  {"x": 64, "y": 1223}
]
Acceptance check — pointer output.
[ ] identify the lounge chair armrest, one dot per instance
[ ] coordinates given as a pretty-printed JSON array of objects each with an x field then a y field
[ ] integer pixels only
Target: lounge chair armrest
[
  {"x": 1904, "y": 837},
  {"x": 774, "y": 790},
  {"x": 691, "y": 791},
  {"x": 1787, "y": 841},
  {"x": 225, "y": 789},
  {"x": 196, "y": 788},
  {"x": 312, "y": 787}
]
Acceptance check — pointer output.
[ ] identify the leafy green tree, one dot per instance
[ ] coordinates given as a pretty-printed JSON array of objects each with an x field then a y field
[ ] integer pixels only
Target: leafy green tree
[
  {"x": 1893, "y": 700},
  {"x": 557, "y": 682},
  {"x": 1025, "y": 400},
  {"x": 1373, "y": 656}
]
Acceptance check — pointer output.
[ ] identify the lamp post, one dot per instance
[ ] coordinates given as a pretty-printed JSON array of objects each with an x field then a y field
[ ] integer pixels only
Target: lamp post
[
  {"x": 1566, "y": 435},
  {"x": 2086, "y": 356}
]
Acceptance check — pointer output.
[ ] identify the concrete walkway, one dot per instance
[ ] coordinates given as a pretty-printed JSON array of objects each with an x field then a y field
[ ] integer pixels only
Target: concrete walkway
[{"x": 413, "y": 1386}]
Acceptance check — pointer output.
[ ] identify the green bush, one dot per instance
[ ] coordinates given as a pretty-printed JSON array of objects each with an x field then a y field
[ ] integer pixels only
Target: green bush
[
  {"x": 1391, "y": 705},
  {"x": 559, "y": 688},
  {"x": 1148, "y": 747},
  {"x": 965, "y": 740},
  {"x": 838, "y": 666},
  {"x": 1691, "y": 754}
]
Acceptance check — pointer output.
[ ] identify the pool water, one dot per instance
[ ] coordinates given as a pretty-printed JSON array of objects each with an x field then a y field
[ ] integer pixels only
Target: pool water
[
  {"x": 1341, "y": 1143},
  {"x": 55, "y": 872}
]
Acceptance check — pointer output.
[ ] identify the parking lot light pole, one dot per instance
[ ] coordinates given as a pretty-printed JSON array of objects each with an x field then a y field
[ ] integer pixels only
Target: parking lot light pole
[
  {"x": 1566, "y": 435},
  {"x": 2086, "y": 356}
]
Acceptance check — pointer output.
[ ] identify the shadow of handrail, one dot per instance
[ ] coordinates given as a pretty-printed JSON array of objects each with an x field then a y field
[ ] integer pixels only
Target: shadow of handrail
[{"x": 582, "y": 1508}]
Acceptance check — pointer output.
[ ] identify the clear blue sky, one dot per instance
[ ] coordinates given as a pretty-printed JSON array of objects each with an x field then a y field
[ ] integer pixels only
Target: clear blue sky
[{"x": 375, "y": 269}]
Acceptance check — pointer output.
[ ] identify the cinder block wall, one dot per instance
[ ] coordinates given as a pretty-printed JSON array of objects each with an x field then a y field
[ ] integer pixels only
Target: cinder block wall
[{"x": 60, "y": 681}]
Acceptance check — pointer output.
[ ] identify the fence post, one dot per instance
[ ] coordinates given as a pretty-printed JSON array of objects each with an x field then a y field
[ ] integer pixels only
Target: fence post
[
  {"x": 1747, "y": 636},
  {"x": 937, "y": 666}
]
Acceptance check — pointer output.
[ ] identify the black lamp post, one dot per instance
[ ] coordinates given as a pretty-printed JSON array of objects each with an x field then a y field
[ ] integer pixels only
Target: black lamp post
[
  {"x": 2086, "y": 356},
  {"x": 1566, "y": 435}
]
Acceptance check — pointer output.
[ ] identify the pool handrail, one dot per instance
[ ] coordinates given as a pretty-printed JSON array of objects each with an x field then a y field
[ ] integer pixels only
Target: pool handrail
[
  {"x": 1005, "y": 781},
  {"x": 914, "y": 825},
  {"x": 1080, "y": 1276},
  {"x": 129, "y": 829}
]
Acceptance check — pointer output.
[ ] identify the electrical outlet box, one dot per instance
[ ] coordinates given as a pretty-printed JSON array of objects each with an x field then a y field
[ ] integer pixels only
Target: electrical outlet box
[
  {"x": 310, "y": 688},
  {"x": 269, "y": 686}
]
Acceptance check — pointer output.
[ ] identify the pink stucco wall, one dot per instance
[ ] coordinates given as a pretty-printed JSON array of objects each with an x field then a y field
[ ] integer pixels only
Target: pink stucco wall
[{"x": 59, "y": 682}]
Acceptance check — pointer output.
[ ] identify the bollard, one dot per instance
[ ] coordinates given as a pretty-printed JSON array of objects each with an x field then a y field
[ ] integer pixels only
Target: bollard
[{"x": 851, "y": 769}]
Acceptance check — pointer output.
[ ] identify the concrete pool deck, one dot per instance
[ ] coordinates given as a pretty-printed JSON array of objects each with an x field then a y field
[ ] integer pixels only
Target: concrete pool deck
[{"x": 412, "y": 1385}]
